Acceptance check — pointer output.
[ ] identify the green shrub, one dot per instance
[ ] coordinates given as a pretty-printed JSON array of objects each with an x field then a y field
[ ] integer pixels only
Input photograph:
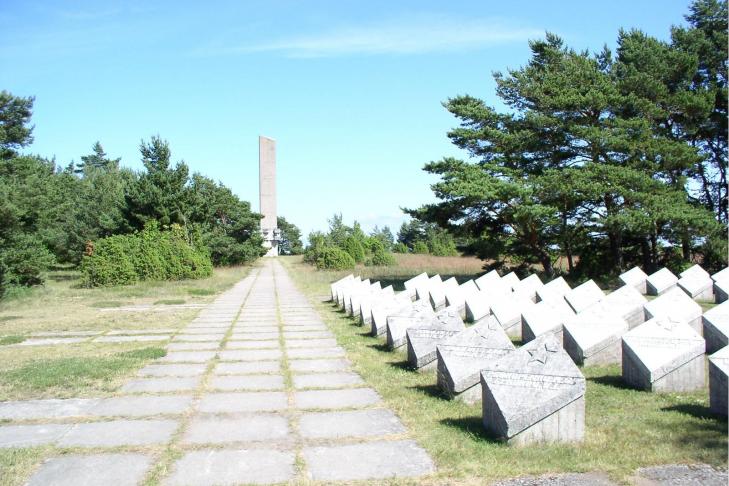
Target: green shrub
[
  {"x": 148, "y": 255},
  {"x": 22, "y": 259},
  {"x": 355, "y": 248},
  {"x": 420, "y": 247},
  {"x": 382, "y": 258},
  {"x": 400, "y": 248},
  {"x": 334, "y": 258}
]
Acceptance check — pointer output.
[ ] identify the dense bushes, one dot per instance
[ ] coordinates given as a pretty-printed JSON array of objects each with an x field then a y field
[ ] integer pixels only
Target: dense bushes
[
  {"x": 419, "y": 237},
  {"x": 344, "y": 247},
  {"x": 150, "y": 254}
]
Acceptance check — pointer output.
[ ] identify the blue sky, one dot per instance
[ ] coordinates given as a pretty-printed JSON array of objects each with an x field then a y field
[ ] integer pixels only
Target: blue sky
[{"x": 351, "y": 90}]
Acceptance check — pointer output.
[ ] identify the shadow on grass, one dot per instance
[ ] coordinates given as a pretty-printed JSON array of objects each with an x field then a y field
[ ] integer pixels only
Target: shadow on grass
[
  {"x": 697, "y": 411},
  {"x": 472, "y": 426},
  {"x": 380, "y": 347},
  {"x": 401, "y": 365},
  {"x": 431, "y": 390},
  {"x": 612, "y": 381}
]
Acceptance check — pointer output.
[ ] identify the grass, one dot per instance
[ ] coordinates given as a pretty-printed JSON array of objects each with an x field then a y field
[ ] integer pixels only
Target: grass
[
  {"x": 12, "y": 339},
  {"x": 107, "y": 304},
  {"x": 625, "y": 428},
  {"x": 170, "y": 302},
  {"x": 68, "y": 376}
]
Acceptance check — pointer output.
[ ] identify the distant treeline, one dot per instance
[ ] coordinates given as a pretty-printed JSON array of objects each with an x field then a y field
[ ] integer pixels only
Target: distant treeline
[
  {"x": 52, "y": 214},
  {"x": 606, "y": 159}
]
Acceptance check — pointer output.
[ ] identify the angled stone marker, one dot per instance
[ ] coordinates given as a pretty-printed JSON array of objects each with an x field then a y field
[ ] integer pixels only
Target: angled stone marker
[
  {"x": 676, "y": 305},
  {"x": 411, "y": 284},
  {"x": 528, "y": 287},
  {"x": 664, "y": 355},
  {"x": 422, "y": 290},
  {"x": 508, "y": 310},
  {"x": 716, "y": 327},
  {"x": 661, "y": 282},
  {"x": 546, "y": 317},
  {"x": 635, "y": 277},
  {"x": 593, "y": 338},
  {"x": 335, "y": 285},
  {"x": 355, "y": 298},
  {"x": 510, "y": 279},
  {"x": 625, "y": 301},
  {"x": 456, "y": 297},
  {"x": 438, "y": 293},
  {"x": 583, "y": 296},
  {"x": 421, "y": 341},
  {"x": 487, "y": 280},
  {"x": 478, "y": 304},
  {"x": 420, "y": 314},
  {"x": 365, "y": 307},
  {"x": 348, "y": 292},
  {"x": 697, "y": 284},
  {"x": 535, "y": 394},
  {"x": 463, "y": 356},
  {"x": 345, "y": 288},
  {"x": 718, "y": 371},
  {"x": 399, "y": 304},
  {"x": 721, "y": 291},
  {"x": 553, "y": 290}
]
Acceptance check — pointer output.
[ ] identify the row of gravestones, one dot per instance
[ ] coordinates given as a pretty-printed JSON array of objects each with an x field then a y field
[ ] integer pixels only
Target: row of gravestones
[{"x": 536, "y": 393}]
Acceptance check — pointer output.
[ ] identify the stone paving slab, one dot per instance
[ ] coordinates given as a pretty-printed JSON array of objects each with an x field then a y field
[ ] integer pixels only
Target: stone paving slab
[
  {"x": 192, "y": 346},
  {"x": 247, "y": 382},
  {"x": 46, "y": 409},
  {"x": 267, "y": 344},
  {"x": 217, "y": 331},
  {"x": 569, "y": 479},
  {"x": 352, "y": 423},
  {"x": 190, "y": 338},
  {"x": 71, "y": 333},
  {"x": 134, "y": 332},
  {"x": 308, "y": 334},
  {"x": 229, "y": 467},
  {"x": 119, "y": 433},
  {"x": 92, "y": 470},
  {"x": 318, "y": 365},
  {"x": 188, "y": 357},
  {"x": 327, "y": 380},
  {"x": 173, "y": 370},
  {"x": 253, "y": 336},
  {"x": 318, "y": 327},
  {"x": 243, "y": 402},
  {"x": 250, "y": 354},
  {"x": 311, "y": 343},
  {"x": 126, "y": 339},
  {"x": 140, "y": 405},
  {"x": 332, "y": 399},
  {"x": 31, "y": 435},
  {"x": 51, "y": 341},
  {"x": 304, "y": 353},
  {"x": 161, "y": 385},
  {"x": 254, "y": 428},
  {"x": 371, "y": 460},
  {"x": 256, "y": 329},
  {"x": 247, "y": 367}
]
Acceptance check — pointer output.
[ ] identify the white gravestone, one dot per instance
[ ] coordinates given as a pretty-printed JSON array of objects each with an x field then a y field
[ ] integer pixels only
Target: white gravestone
[
  {"x": 676, "y": 305},
  {"x": 626, "y": 301},
  {"x": 553, "y": 290},
  {"x": 664, "y": 355},
  {"x": 414, "y": 282},
  {"x": 336, "y": 284},
  {"x": 507, "y": 311},
  {"x": 345, "y": 289},
  {"x": 355, "y": 300},
  {"x": 593, "y": 338},
  {"x": 419, "y": 314},
  {"x": 422, "y": 289},
  {"x": 697, "y": 284},
  {"x": 660, "y": 282},
  {"x": 721, "y": 275},
  {"x": 399, "y": 303},
  {"x": 635, "y": 277},
  {"x": 365, "y": 308},
  {"x": 456, "y": 297},
  {"x": 583, "y": 296},
  {"x": 477, "y": 306},
  {"x": 718, "y": 370},
  {"x": 348, "y": 292},
  {"x": 510, "y": 279},
  {"x": 488, "y": 279},
  {"x": 528, "y": 287},
  {"x": 721, "y": 291},
  {"x": 546, "y": 317},
  {"x": 534, "y": 395},
  {"x": 421, "y": 341},
  {"x": 438, "y": 293},
  {"x": 462, "y": 357},
  {"x": 716, "y": 327}
]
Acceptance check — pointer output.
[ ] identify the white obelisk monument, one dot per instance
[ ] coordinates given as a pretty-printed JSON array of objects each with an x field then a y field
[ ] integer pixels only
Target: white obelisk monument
[{"x": 267, "y": 193}]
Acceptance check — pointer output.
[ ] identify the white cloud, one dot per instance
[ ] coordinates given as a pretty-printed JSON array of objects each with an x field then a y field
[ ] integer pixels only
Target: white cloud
[{"x": 414, "y": 35}]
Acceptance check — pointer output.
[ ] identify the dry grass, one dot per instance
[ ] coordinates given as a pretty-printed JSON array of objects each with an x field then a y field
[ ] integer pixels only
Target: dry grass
[{"x": 625, "y": 429}]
